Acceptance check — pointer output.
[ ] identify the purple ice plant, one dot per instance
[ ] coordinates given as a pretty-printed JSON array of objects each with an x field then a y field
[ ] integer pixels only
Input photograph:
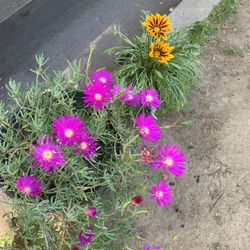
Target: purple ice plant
[
  {"x": 91, "y": 212},
  {"x": 86, "y": 237},
  {"x": 129, "y": 96},
  {"x": 47, "y": 155},
  {"x": 116, "y": 89},
  {"x": 68, "y": 128},
  {"x": 149, "y": 98},
  {"x": 162, "y": 193},
  {"x": 29, "y": 185},
  {"x": 136, "y": 200},
  {"x": 97, "y": 95},
  {"x": 86, "y": 145},
  {"x": 149, "y": 130},
  {"x": 171, "y": 159},
  {"x": 102, "y": 76}
]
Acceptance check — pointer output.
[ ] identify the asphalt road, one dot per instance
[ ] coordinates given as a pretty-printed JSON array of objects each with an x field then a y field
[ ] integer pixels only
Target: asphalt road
[{"x": 63, "y": 29}]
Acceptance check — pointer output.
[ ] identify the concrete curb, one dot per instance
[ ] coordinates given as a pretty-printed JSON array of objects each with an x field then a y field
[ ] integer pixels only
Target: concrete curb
[{"x": 190, "y": 11}]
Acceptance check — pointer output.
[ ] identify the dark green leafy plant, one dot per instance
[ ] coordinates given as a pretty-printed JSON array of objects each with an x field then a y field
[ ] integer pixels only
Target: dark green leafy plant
[{"x": 173, "y": 80}]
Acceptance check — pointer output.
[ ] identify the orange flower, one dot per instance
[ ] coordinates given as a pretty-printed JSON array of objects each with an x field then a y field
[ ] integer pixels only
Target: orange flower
[
  {"x": 158, "y": 25},
  {"x": 161, "y": 51}
]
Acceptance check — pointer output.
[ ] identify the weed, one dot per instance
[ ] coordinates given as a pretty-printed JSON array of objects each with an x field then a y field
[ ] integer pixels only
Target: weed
[
  {"x": 222, "y": 11},
  {"x": 201, "y": 31},
  {"x": 234, "y": 51}
]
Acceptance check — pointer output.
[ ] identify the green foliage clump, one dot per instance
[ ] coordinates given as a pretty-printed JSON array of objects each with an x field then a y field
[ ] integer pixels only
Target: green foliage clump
[
  {"x": 54, "y": 220},
  {"x": 201, "y": 31},
  {"x": 173, "y": 80},
  {"x": 234, "y": 51}
]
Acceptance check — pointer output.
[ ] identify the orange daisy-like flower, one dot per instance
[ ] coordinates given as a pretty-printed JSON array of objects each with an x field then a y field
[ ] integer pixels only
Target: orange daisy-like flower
[
  {"x": 158, "y": 25},
  {"x": 161, "y": 51}
]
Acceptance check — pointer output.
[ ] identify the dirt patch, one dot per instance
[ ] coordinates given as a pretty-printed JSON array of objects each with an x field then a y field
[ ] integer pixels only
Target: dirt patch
[
  {"x": 211, "y": 208},
  {"x": 4, "y": 208}
]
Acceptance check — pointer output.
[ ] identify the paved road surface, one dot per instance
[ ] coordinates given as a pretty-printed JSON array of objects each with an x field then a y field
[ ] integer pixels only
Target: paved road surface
[
  {"x": 62, "y": 29},
  {"x": 9, "y": 7}
]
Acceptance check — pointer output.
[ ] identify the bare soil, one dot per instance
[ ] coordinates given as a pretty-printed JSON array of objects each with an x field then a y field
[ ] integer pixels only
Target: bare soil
[
  {"x": 4, "y": 208},
  {"x": 211, "y": 208}
]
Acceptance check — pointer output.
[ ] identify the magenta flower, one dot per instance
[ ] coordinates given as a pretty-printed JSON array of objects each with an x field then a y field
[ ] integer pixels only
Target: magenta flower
[
  {"x": 116, "y": 89},
  {"x": 47, "y": 155},
  {"x": 170, "y": 158},
  {"x": 86, "y": 145},
  {"x": 74, "y": 248},
  {"x": 129, "y": 97},
  {"x": 97, "y": 95},
  {"x": 150, "y": 131},
  {"x": 162, "y": 193},
  {"x": 86, "y": 237},
  {"x": 68, "y": 128},
  {"x": 91, "y": 212},
  {"x": 29, "y": 185},
  {"x": 137, "y": 200},
  {"x": 102, "y": 76},
  {"x": 147, "y": 247},
  {"x": 149, "y": 98}
]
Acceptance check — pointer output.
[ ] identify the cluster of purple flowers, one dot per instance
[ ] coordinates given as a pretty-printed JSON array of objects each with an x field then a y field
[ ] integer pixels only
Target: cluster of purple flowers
[
  {"x": 103, "y": 89},
  {"x": 86, "y": 236},
  {"x": 70, "y": 131},
  {"x": 170, "y": 157}
]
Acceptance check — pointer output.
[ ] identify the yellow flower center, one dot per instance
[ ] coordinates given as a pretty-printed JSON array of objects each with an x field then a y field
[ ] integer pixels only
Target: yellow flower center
[
  {"x": 83, "y": 145},
  {"x": 69, "y": 133},
  {"x": 130, "y": 97},
  {"x": 169, "y": 161},
  {"x": 98, "y": 97},
  {"x": 159, "y": 194},
  {"x": 157, "y": 53},
  {"x": 144, "y": 131},
  {"x": 103, "y": 80},
  {"x": 149, "y": 98},
  {"x": 27, "y": 190},
  {"x": 157, "y": 29},
  {"x": 47, "y": 154}
]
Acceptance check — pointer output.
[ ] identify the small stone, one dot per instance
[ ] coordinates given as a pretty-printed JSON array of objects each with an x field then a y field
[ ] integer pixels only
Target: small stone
[
  {"x": 236, "y": 73},
  {"x": 171, "y": 9}
]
